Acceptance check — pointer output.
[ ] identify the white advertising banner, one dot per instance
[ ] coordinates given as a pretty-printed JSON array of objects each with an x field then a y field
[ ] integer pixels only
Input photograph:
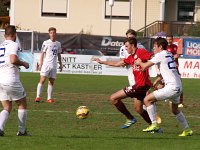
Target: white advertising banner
[
  {"x": 189, "y": 68},
  {"x": 83, "y": 64}
]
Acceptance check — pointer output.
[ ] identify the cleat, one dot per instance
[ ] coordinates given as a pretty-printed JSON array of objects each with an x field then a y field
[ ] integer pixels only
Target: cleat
[
  {"x": 1, "y": 133},
  {"x": 128, "y": 123},
  {"x": 152, "y": 128},
  {"x": 23, "y": 134},
  {"x": 50, "y": 101},
  {"x": 180, "y": 105},
  {"x": 186, "y": 132},
  {"x": 158, "y": 119},
  {"x": 158, "y": 131},
  {"x": 37, "y": 99}
]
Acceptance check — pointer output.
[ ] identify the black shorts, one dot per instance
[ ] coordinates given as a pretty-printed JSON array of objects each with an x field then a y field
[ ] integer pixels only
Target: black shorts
[{"x": 137, "y": 92}]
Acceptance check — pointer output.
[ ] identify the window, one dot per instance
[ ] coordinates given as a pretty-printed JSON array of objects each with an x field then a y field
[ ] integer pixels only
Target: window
[
  {"x": 186, "y": 10},
  {"x": 120, "y": 10},
  {"x": 53, "y": 8}
]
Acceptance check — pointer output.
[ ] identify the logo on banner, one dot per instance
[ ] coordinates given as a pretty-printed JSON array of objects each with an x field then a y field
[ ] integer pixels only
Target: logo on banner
[
  {"x": 107, "y": 41},
  {"x": 192, "y": 48}
]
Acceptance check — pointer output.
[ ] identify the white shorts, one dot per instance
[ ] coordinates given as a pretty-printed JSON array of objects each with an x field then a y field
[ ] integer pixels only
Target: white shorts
[
  {"x": 12, "y": 92},
  {"x": 169, "y": 92},
  {"x": 48, "y": 71}
]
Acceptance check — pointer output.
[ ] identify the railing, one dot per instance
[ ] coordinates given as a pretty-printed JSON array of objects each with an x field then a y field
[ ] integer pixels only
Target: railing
[{"x": 168, "y": 27}]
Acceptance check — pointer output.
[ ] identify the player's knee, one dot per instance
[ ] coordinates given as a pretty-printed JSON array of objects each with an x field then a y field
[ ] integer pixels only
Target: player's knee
[
  {"x": 8, "y": 108},
  {"x": 112, "y": 99},
  {"x": 138, "y": 109}
]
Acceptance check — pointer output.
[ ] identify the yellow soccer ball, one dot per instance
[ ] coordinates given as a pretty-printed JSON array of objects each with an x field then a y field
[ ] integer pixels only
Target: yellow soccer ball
[{"x": 82, "y": 112}]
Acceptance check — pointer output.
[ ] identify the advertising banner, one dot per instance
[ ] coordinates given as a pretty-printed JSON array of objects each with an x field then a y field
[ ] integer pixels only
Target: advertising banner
[
  {"x": 189, "y": 68},
  {"x": 83, "y": 64},
  {"x": 191, "y": 48}
]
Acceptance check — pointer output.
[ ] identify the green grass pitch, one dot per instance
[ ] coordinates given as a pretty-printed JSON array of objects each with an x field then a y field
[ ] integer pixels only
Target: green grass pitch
[{"x": 55, "y": 126}]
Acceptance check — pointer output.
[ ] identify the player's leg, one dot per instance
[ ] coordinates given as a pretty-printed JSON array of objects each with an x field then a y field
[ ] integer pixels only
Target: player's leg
[
  {"x": 116, "y": 101},
  {"x": 50, "y": 90},
  {"x": 22, "y": 117},
  {"x": 138, "y": 107},
  {"x": 182, "y": 120},
  {"x": 39, "y": 88},
  {"x": 7, "y": 107},
  {"x": 181, "y": 104}
]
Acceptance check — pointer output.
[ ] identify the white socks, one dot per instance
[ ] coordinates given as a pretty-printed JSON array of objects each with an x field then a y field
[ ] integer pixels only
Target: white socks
[
  {"x": 49, "y": 91},
  {"x": 39, "y": 89},
  {"x": 3, "y": 119},
  {"x": 22, "y": 117},
  {"x": 182, "y": 120},
  {"x": 152, "y": 112}
]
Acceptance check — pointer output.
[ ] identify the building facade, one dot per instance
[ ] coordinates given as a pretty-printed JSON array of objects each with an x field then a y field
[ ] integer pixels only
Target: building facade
[{"x": 98, "y": 17}]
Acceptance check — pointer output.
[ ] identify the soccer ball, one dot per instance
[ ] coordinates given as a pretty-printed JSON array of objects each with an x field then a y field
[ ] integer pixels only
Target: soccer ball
[{"x": 82, "y": 112}]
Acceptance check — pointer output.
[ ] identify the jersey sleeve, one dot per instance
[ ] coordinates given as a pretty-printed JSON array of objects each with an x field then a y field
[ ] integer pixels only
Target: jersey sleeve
[
  {"x": 156, "y": 58},
  {"x": 14, "y": 48},
  {"x": 128, "y": 60},
  {"x": 44, "y": 47}
]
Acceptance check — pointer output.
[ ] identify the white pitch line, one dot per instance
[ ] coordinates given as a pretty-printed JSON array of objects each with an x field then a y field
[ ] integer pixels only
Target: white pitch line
[
  {"x": 58, "y": 111},
  {"x": 99, "y": 113}
]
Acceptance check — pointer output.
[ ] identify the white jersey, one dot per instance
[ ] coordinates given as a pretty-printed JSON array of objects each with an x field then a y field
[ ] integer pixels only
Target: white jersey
[
  {"x": 52, "y": 49},
  {"x": 167, "y": 67},
  {"x": 9, "y": 73}
]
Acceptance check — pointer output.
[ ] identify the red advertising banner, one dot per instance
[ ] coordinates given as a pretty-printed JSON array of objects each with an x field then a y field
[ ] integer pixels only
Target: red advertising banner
[{"x": 179, "y": 43}]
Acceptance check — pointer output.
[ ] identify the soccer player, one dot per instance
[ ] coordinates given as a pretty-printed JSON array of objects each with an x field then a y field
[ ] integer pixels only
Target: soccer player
[
  {"x": 11, "y": 88},
  {"x": 172, "y": 89},
  {"x": 173, "y": 49},
  {"x": 51, "y": 50},
  {"x": 138, "y": 90},
  {"x": 124, "y": 54}
]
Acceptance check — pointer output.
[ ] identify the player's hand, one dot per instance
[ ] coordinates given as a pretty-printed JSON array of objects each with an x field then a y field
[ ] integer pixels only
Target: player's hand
[
  {"x": 138, "y": 61},
  {"x": 39, "y": 67},
  {"x": 26, "y": 65},
  {"x": 61, "y": 68},
  {"x": 97, "y": 60}
]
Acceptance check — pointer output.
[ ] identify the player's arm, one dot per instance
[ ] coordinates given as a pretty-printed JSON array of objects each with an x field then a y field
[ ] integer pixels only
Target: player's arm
[
  {"x": 110, "y": 63},
  {"x": 144, "y": 65},
  {"x": 41, "y": 60},
  {"x": 157, "y": 81},
  {"x": 15, "y": 61},
  {"x": 60, "y": 62}
]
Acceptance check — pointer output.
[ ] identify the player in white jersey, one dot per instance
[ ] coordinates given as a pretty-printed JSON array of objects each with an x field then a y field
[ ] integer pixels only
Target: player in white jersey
[
  {"x": 51, "y": 50},
  {"x": 172, "y": 89},
  {"x": 11, "y": 88}
]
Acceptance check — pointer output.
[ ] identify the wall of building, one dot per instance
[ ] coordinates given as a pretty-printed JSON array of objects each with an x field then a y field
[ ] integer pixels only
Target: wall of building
[{"x": 83, "y": 15}]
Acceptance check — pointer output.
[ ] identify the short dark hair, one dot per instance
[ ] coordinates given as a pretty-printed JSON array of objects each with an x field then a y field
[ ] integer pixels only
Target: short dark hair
[
  {"x": 161, "y": 41},
  {"x": 131, "y": 31},
  {"x": 169, "y": 35},
  {"x": 131, "y": 40},
  {"x": 10, "y": 30},
  {"x": 52, "y": 28}
]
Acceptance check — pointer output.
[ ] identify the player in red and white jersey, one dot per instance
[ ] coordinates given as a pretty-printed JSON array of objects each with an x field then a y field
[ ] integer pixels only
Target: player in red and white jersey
[
  {"x": 172, "y": 89},
  {"x": 51, "y": 50},
  {"x": 139, "y": 89},
  {"x": 124, "y": 54},
  {"x": 11, "y": 88}
]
